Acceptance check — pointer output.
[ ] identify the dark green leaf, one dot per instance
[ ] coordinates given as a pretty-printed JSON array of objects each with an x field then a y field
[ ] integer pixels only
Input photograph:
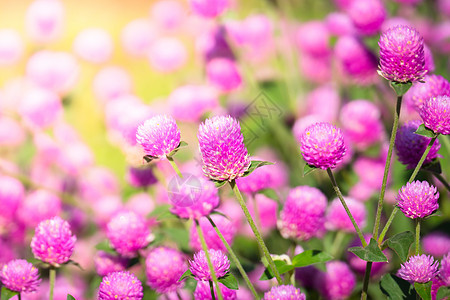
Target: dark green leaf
[
  {"x": 308, "y": 169},
  {"x": 434, "y": 166},
  {"x": 106, "y": 247},
  {"x": 400, "y": 88},
  {"x": 72, "y": 262},
  {"x": 159, "y": 210},
  {"x": 70, "y": 297},
  {"x": 149, "y": 158},
  {"x": 400, "y": 243},
  {"x": 396, "y": 288},
  {"x": 254, "y": 164},
  {"x": 216, "y": 212},
  {"x": 371, "y": 253},
  {"x": 282, "y": 268},
  {"x": 7, "y": 294},
  {"x": 219, "y": 184},
  {"x": 423, "y": 289},
  {"x": 310, "y": 257},
  {"x": 186, "y": 274},
  {"x": 422, "y": 130},
  {"x": 443, "y": 292},
  {"x": 182, "y": 144},
  {"x": 229, "y": 281}
]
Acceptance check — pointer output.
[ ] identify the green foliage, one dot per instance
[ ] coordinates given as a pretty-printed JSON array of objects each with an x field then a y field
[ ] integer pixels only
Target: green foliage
[{"x": 370, "y": 253}]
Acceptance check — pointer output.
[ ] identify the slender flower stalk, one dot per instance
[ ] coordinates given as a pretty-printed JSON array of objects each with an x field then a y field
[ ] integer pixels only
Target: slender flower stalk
[
  {"x": 52, "y": 275},
  {"x": 418, "y": 220},
  {"x": 211, "y": 287},
  {"x": 174, "y": 166}
]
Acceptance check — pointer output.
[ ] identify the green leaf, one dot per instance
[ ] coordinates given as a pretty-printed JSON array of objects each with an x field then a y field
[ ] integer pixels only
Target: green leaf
[
  {"x": 229, "y": 281},
  {"x": 423, "y": 289},
  {"x": 400, "y": 243},
  {"x": 434, "y": 166},
  {"x": 186, "y": 274},
  {"x": 7, "y": 294},
  {"x": 310, "y": 257},
  {"x": 254, "y": 164},
  {"x": 282, "y": 268},
  {"x": 72, "y": 262},
  {"x": 159, "y": 210},
  {"x": 149, "y": 158},
  {"x": 401, "y": 88},
  {"x": 216, "y": 212},
  {"x": 179, "y": 235},
  {"x": 371, "y": 253},
  {"x": 70, "y": 297},
  {"x": 270, "y": 193},
  {"x": 219, "y": 184},
  {"x": 396, "y": 288},
  {"x": 422, "y": 130},
  {"x": 443, "y": 292},
  {"x": 308, "y": 169},
  {"x": 182, "y": 144},
  {"x": 105, "y": 246}
]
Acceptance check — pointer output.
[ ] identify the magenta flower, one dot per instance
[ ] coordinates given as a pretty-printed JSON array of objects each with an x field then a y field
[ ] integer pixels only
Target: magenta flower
[
  {"x": 223, "y": 73},
  {"x": 222, "y": 148},
  {"x": 140, "y": 177},
  {"x": 419, "y": 268},
  {"x": 209, "y": 8},
  {"x": 338, "y": 282},
  {"x": 265, "y": 177},
  {"x": 94, "y": 45},
  {"x": 434, "y": 85},
  {"x": 158, "y": 136},
  {"x": 137, "y": 36},
  {"x": 39, "y": 205},
  {"x": 128, "y": 232},
  {"x": 199, "y": 265},
  {"x": 53, "y": 242},
  {"x": 303, "y": 214},
  {"x": 120, "y": 285},
  {"x": 322, "y": 145},
  {"x": 313, "y": 38},
  {"x": 418, "y": 199},
  {"x": 444, "y": 271},
  {"x": 11, "y": 195},
  {"x": 111, "y": 82},
  {"x": 337, "y": 218},
  {"x": 367, "y": 15},
  {"x": 167, "y": 54},
  {"x": 203, "y": 292},
  {"x": 402, "y": 57},
  {"x": 226, "y": 227},
  {"x": 190, "y": 102},
  {"x": 284, "y": 292},
  {"x": 106, "y": 263},
  {"x": 20, "y": 276},
  {"x": 410, "y": 146},
  {"x": 44, "y": 20},
  {"x": 436, "y": 243},
  {"x": 435, "y": 114}
]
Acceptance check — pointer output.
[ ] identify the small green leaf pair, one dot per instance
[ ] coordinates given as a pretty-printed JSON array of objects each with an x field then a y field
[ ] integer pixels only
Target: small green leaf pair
[
  {"x": 149, "y": 158},
  {"x": 254, "y": 164},
  {"x": 228, "y": 280}
]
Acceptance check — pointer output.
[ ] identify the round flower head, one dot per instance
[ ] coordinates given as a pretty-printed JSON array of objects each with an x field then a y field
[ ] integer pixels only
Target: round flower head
[
  {"x": 199, "y": 265},
  {"x": 120, "y": 285},
  {"x": 137, "y": 37},
  {"x": 303, "y": 214},
  {"x": 367, "y": 15},
  {"x": 106, "y": 263},
  {"x": 435, "y": 114},
  {"x": 444, "y": 271},
  {"x": 223, "y": 73},
  {"x": 418, "y": 199},
  {"x": 208, "y": 8},
  {"x": 190, "y": 102},
  {"x": 434, "y": 85},
  {"x": 313, "y": 38},
  {"x": 167, "y": 54},
  {"x": 337, "y": 218},
  {"x": 128, "y": 232},
  {"x": 419, "y": 268},
  {"x": 410, "y": 146},
  {"x": 284, "y": 292},
  {"x": 94, "y": 45},
  {"x": 323, "y": 96},
  {"x": 141, "y": 177},
  {"x": 111, "y": 82},
  {"x": 40, "y": 107},
  {"x": 20, "y": 276},
  {"x": 11, "y": 47},
  {"x": 39, "y": 205},
  {"x": 158, "y": 136},
  {"x": 337, "y": 282},
  {"x": 226, "y": 227},
  {"x": 11, "y": 195},
  {"x": 44, "y": 20},
  {"x": 164, "y": 267},
  {"x": 436, "y": 243},
  {"x": 402, "y": 57},
  {"x": 53, "y": 241},
  {"x": 222, "y": 148},
  {"x": 203, "y": 292},
  {"x": 322, "y": 145}
]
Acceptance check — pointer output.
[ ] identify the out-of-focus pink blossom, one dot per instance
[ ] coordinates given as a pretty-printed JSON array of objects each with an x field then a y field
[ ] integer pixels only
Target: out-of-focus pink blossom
[
  {"x": 12, "y": 134},
  {"x": 323, "y": 96},
  {"x": 224, "y": 74},
  {"x": 38, "y": 206},
  {"x": 44, "y": 20},
  {"x": 367, "y": 15},
  {"x": 167, "y": 54},
  {"x": 40, "y": 107},
  {"x": 168, "y": 14},
  {"x": 11, "y": 47},
  {"x": 111, "y": 82},
  {"x": 94, "y": 45},
  {"x": 209, "y": 8},
  {"x": 339, "y": 24},
  {"x": 313, "y": 38},
  {"x": 190, "y": 102},
  {"x": 137, "y": 37}
]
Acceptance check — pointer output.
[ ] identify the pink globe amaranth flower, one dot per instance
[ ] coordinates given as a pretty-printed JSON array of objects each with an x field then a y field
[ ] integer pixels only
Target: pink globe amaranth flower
[
  {"x": 40, "y": 107},
  {"x": 304, "y": 122},
  {"x": 44, "y": 20},
  {"x": 94, "y": 45},
  {"x": 203, "y": 292},
  {"x": 284, "y": 292},
  {"x": 267, "y": 210},
  {"x": 359, "y": 265},
  {"x": 164, "y": 267},
  {"x": 313, "y": 38},
  {"x": 209, "y": 8},
  {"x": 168, "y": 15},
  {"x": 111, "y": 82},
  {"x": 38, "y": 206},
  {"x": 418, "y": 199},
  {"x": 402, "y": 57},
  {"x": 367, "y": 15},
  {"x": 128, "y": 232},
  {"x": 435, "y": 114},
  {"x": 11, "y": 47},
  {"x": 419, "y": 268},
  {"x": 158, "y": 136},
  {"x": 339, "y": 24},
  {"x": 20, "y": 276},
  {"x": 434, "y": 85},
  {"x": 199, "y": 265},
  {"x": 444, "y": 271},
  {"x": 316, "y": 69},
  {"x": 53, "y": 242},
  {"x": 106, "y": 207},
  {"x": 167, "y": 54},
  {"x": 137, "y": 37},
  {"x": 262, "y": 178},
  {"x": 429, "y": 60},
  {"x": 224, "y": 155},
  {"x": 303, "y": 213},
  {"x": 361, "y": 192},
  {"x": 141, "y": 177},
  {"x": 226, "y": 227},
  {"x": 223, "y": 73},
  {"x": 444, "y": 7},
  {"x": 213, "y": 43},
  {"x": 370, "y": 171},
  {"x": 97, "y": 182},
  {"x": 322, "y": 145},
  {"x": 106, "y": 263},
  {"x": 323, "y": 96},
  {"x": 337, "y": 218},
  {"x": 437, "y": 283},
  {"x": 410, "y": 146},
  {"x": 141, "y": 203},
  {"x": 12, "y": 133},
  {"x": 436, "y": 243},
  {"x": 361, "y": 123},
  {"x": 12, "y": 193},
  {"x": 338, "y": 282},
  {"x": 120, "y": 285}
]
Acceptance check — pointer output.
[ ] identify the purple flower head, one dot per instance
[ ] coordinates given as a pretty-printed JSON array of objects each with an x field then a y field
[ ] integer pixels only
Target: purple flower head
[
  {"x": 128, "y": 232},
  {"x": 141, "y": 177},
  {"x": 190, "y": 102},
  {"x": 203, "y": 292},
  {"x": 367, "y": 15},
  {"x": 208, "y": 8},
  {"x": 410, "y": 146},
  {"x": 120, "y": 285},
  {"x": 164, "y": 267},
  {"x": 434, "y": 85},
  {"x": 402, "y": 57},
  {"x": 158, "y": 136},
  {"x": 436, "y": 243},
  {"x": 303, "y": 214},
  {"x": 322, "y": 145},
  {"x": 222, "y": 148},
  {"x": 199, "y": 265},
  {"x": 264, "y": 177},
  {"x": 313, "y": 39},
  {"x": 339, "y": 24},
  {"x": 444, "y": 271},
  {"x": 226, "y": 227},
  {"x": 337, "y": 282},
  {"x": 435, "y": 114},
  {"x": 324, "y": 96},
  {"x": 20, "y": 276},
  {"x": 437, "y": 282},
  {"x": 11, "y": 195},
  {"x": 106, "y": 263},
  {"x": 38, "y": 206},
  {"x": 418, "y": 199},
  {"x": 223, "y": 73},
  {"x": 53, "y": 242},
  {"x": 284, "y": 292},
  {"x": 419, "y": 268},
  {"x": 337, "y": 218}
]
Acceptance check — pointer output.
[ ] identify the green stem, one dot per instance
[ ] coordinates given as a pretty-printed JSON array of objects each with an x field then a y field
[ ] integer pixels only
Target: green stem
[
  {"x": 210, "y": 265},
  {"x": 418, "y": 220},
  {"x": 19, "y": 295},
  {"x": 388, "y": 224},
  {"x": 234, "y": 258},
  {"x": 174, "y": 166},
  {"x": 366, "y": 280},
  {"x": 211, "y": 287},
  {"x": 258, "y": 237},
  {"x": 337, "y": 243},
  {"x": 339, "y": 194},
  {"x": 52, "y": 275},
  {"x": 445, "y": 141}
]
